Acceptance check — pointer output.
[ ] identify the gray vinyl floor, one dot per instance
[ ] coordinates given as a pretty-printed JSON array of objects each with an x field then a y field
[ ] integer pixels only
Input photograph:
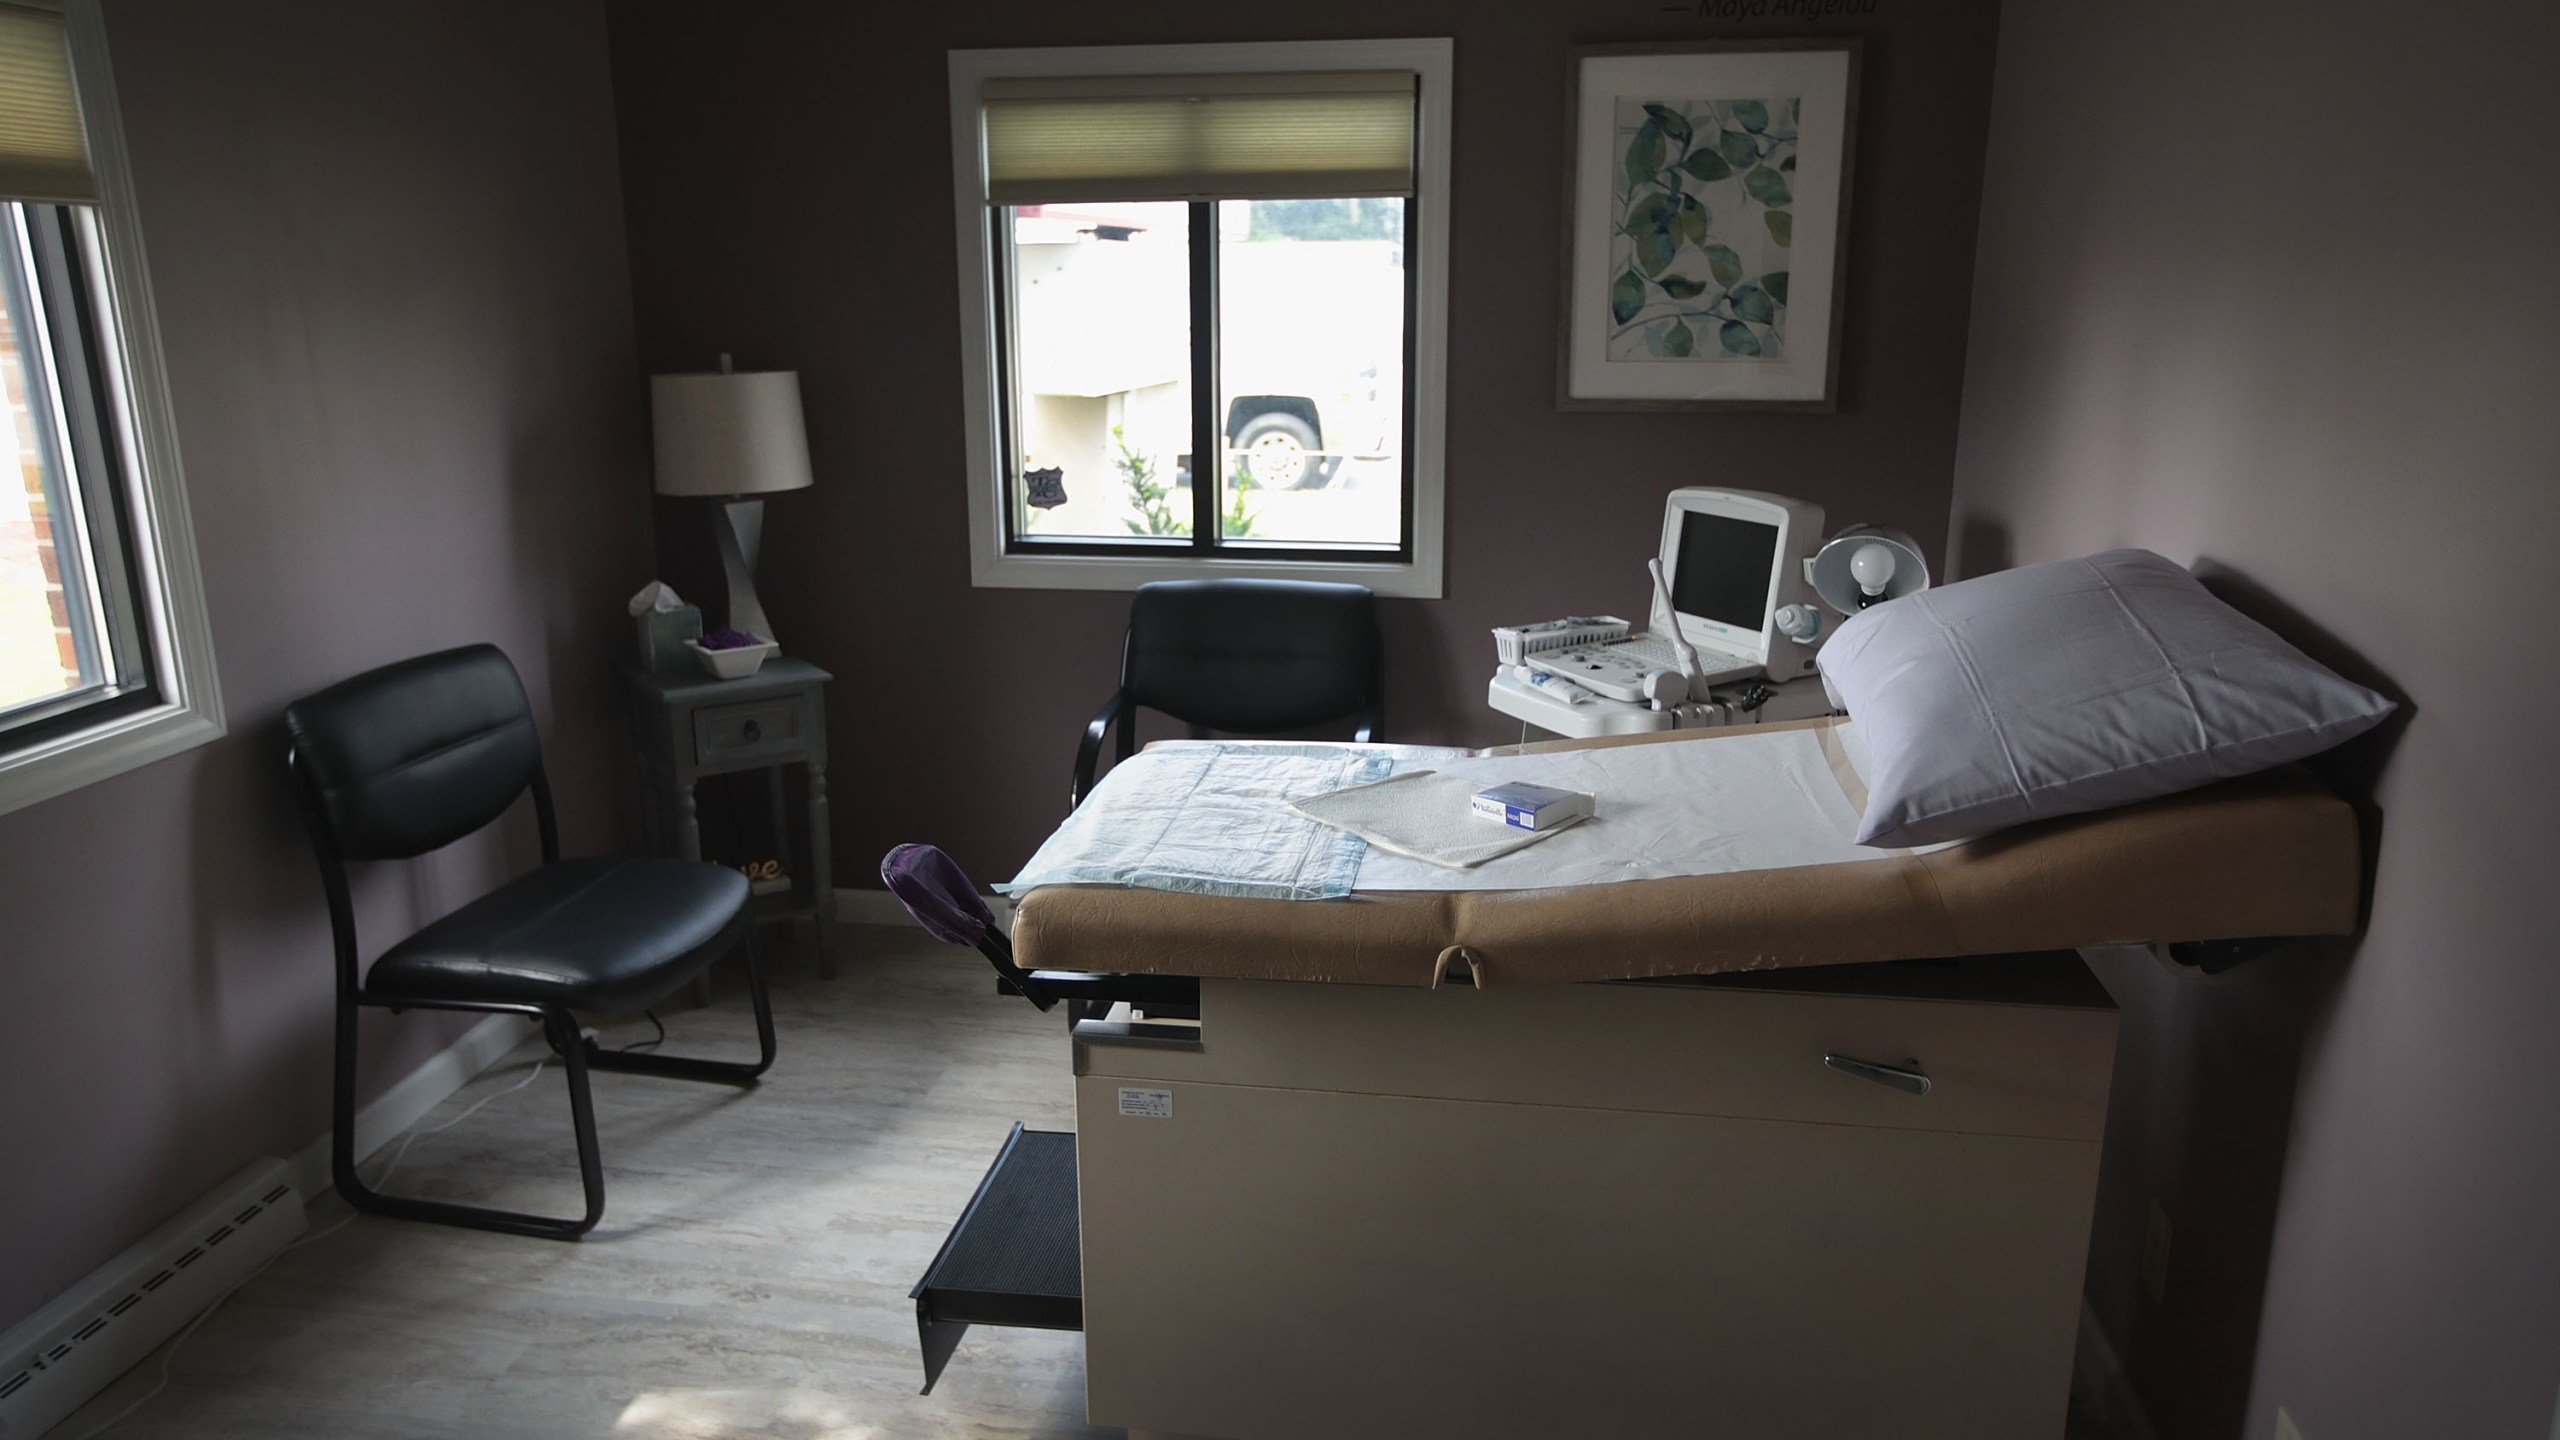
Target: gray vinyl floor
[{"x": 750, "y": 1277}]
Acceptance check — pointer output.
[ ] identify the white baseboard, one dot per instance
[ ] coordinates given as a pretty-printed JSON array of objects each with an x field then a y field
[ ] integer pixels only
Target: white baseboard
[
  {"x": 879, "y": 907},
  {"x": 54, "y": 1361},
  {"x": 407, "y": 1102}
]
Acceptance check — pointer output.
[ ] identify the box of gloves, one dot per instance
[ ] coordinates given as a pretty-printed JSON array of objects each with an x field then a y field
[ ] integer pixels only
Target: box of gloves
[{"x": 1523, "y": 806}]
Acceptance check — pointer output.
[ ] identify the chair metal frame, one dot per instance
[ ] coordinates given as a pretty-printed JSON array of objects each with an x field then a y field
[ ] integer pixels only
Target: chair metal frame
[{"x": 578, "y": 1053}]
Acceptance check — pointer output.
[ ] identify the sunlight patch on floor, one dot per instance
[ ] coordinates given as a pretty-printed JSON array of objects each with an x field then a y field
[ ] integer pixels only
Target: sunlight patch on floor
[{"x": 712, "y": 1414}]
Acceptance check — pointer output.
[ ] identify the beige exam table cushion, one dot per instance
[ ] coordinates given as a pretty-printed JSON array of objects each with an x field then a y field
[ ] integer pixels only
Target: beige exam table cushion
[{"x": 2269, "y": 855}]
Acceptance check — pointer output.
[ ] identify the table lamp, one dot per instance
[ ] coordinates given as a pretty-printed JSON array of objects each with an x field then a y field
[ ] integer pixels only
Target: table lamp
[{"x": 732, "y": 436}]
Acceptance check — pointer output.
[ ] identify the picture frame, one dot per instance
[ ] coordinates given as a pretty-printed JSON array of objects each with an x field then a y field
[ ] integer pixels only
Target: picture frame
[{"x": 1703, "y": 273}]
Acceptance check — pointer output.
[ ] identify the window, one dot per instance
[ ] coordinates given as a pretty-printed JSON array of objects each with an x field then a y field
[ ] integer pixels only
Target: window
[
  {"x": 1203, "y": 294},
  {"x": 67, "y": 638},
  {"x": 104, "y": 659}
]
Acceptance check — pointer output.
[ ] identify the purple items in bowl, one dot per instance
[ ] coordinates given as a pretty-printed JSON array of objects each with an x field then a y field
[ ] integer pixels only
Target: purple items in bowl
[{"x": 728, "y": 654}]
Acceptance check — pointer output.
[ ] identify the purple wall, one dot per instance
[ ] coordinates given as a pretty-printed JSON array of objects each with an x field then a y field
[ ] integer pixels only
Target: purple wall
[
  {"x": 2273, "y": 288},
  {"x": 388, "y": 257},
  {"x": 787, "y": 176}
]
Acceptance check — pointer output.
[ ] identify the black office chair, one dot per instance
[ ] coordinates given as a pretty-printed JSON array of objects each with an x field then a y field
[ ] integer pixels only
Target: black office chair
[
  {"x": 1247, "y": 657},
  {"x": 412, "y": 757}
]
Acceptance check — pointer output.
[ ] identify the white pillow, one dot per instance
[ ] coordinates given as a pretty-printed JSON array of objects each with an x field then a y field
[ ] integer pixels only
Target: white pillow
[{"x": 2071, "y": 686}]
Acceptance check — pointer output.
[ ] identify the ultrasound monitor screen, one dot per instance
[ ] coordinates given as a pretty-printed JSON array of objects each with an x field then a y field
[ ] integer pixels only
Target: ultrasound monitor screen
[{"x": 1723, "y": 569}]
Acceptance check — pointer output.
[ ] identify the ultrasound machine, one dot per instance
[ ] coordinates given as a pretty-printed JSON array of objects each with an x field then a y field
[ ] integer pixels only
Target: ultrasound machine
[{"x": 1745, "y": 590}]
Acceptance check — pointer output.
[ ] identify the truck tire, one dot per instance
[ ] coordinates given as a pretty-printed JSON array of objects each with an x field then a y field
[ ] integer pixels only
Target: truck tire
[{"x": 1279, "y": 453}]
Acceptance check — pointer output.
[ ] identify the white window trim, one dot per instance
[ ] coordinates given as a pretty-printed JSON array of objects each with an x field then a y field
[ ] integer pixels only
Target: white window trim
[
  {"x": 1427, "y": 251},
  {"x": 171, "y": 588}
]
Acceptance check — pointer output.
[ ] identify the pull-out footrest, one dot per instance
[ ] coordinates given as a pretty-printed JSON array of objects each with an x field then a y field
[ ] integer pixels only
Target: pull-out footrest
[{"x": 1012, "y": 1258}]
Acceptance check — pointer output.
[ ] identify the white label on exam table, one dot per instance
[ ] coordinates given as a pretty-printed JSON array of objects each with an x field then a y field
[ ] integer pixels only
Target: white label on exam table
[{"x": 1146, "y": 1104}]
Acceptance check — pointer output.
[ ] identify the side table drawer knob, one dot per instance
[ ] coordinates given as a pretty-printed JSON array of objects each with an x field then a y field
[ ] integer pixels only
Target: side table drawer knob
[{"x": 757, "y": 729}]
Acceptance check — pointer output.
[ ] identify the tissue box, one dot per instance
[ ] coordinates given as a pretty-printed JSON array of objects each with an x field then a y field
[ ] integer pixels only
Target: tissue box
[
  {"x": 1523, "y": 806},
  {"x": 663, "y": 634}
]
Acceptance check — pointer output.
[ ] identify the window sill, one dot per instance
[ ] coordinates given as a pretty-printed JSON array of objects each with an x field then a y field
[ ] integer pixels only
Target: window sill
[
  {"x": 1411, "y": 580},
  {"x": 102, "y": 752}
]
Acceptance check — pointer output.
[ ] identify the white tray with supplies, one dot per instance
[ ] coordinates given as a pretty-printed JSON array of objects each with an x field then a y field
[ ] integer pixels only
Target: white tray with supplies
[
  {"x": 1725, "y": 705},
  {"x": 1601, "y": 669},
  {"x": 1516, "y": 643}
]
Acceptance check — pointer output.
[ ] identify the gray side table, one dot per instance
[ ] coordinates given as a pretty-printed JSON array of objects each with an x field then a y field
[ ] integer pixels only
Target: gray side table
[{"x": 687, "y": 726}]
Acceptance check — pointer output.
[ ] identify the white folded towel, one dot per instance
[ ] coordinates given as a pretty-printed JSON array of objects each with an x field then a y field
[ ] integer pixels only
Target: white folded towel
[{"x": 1421, "y": 813}]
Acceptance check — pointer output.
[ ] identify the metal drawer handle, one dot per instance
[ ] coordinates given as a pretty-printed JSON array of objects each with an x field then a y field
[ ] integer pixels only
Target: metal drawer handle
[
  {"x": 753, "y": 731},
  {"x": 1907, "y": 1077}
]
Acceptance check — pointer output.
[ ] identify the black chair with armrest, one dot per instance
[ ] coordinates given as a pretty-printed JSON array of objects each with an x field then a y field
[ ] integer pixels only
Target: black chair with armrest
[
  {"x": 413, "y": 756},
  {"x": 1246, "y": 657}
]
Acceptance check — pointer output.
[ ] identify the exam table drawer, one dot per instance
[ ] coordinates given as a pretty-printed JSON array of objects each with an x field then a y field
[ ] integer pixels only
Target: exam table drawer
[
  {"x": 2029, "y": 1069},
  {"x": 1265, "y": 1264},
  {"x": 1634, "y": 1210}
]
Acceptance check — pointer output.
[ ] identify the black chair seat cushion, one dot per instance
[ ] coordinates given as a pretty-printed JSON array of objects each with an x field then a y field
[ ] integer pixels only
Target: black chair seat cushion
[{"x": 608, "y": 936}]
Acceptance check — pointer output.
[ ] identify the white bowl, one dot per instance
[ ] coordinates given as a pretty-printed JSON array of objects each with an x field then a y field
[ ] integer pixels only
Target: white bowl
[{"x": 736, "y": 663}]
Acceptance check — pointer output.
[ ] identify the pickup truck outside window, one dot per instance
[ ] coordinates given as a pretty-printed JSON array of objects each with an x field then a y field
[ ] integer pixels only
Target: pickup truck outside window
[{"x": 1295, "y": 313}]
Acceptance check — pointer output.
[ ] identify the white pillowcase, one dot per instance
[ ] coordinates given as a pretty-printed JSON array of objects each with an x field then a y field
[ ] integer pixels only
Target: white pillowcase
[{"x": 2071, "y": 686}]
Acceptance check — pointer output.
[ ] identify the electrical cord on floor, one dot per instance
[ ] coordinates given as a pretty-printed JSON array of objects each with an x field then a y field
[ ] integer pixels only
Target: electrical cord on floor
[
  {"x": 655, "y": 1041},
  {"x": 169, "y": 1354},
  {"x": 403, "y": 1153}
]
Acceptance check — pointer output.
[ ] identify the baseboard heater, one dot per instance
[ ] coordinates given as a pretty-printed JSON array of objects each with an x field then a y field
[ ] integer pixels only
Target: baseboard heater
[
  {"x": 1013, "y": 1256},
  {"x": 54, "y": 1360}
]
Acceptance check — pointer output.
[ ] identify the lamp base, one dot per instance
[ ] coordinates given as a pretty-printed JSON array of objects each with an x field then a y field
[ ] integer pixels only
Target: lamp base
[{"x": 740, "y": 533}]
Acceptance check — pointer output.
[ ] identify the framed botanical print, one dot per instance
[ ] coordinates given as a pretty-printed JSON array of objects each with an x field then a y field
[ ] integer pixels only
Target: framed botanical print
[{"x": 1706, "y": 224}]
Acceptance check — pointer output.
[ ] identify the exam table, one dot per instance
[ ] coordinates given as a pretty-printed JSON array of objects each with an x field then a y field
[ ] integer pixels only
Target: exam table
[{"x": 1773, "y": 1153}]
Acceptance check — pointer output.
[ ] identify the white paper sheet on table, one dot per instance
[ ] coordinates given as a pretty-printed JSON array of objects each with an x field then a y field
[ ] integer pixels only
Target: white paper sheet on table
[
  {"x": 1213, "y": 818},
  {"x": 1751, "y": 801}
]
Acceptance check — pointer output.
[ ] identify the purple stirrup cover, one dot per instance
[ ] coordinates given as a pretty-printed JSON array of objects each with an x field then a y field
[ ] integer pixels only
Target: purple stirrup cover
[{"x": 933, "y": 890}]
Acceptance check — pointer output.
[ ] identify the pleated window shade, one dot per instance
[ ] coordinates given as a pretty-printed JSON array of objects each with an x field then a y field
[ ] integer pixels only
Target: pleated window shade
[
  {"x": 43, "y": 153},
  {"x": 1199, "y": 137}
]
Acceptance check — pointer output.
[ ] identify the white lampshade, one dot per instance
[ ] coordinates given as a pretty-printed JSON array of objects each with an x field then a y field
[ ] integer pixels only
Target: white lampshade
[{"x": 729, "y": 433}]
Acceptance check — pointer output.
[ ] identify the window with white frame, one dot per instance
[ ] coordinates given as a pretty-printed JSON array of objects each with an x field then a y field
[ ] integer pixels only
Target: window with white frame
[
  {"x": 104, "y": 658},
  {"x": 1203, "y": 301}
]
